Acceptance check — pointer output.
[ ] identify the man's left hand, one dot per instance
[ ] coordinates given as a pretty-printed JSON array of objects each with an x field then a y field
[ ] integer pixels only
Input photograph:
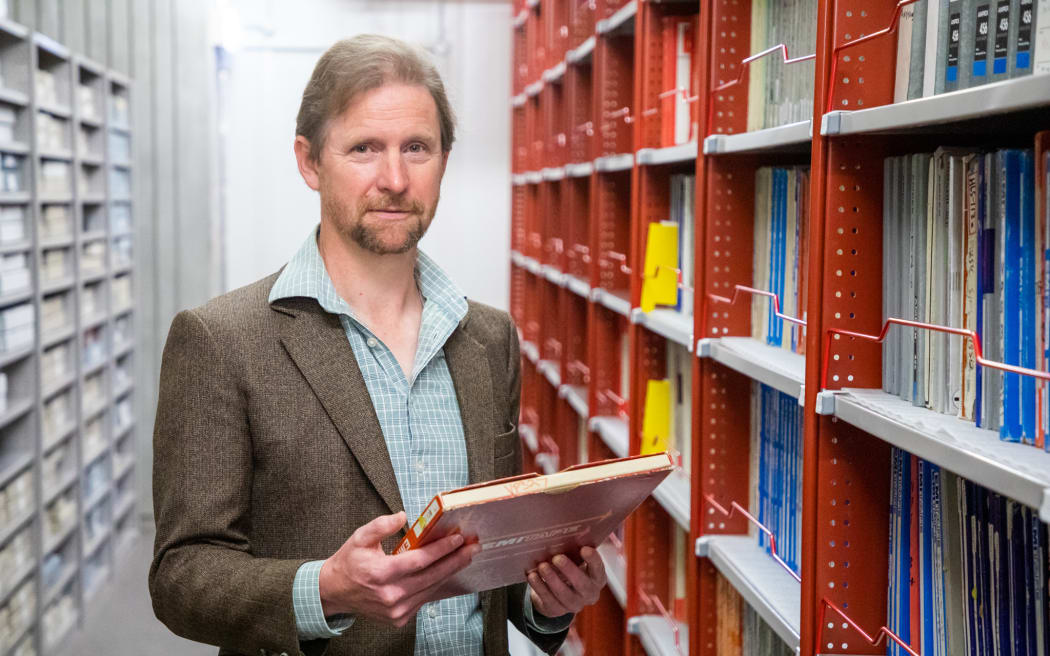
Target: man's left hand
[{"x": 561, "y": 586}]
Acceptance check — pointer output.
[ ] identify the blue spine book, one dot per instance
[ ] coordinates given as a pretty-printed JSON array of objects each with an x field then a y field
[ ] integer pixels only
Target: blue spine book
[
  {"x": 983, "y": 283},
  {"x": 763, "y": 461},
  {"x": 779, "y": 239},
  {"x": 926, "y": 626},
  {"x": 1014, "y": 581},
  {"x": 937, "y": 562},
  {"x": 895, "y": 537},
  {"x": 1009, "y": 271},
  {"x": 1028, "y": 294}
]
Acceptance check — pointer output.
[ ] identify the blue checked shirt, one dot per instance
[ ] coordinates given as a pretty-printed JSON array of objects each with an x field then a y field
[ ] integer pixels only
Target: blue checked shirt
[{"x": 421, "y": 423}]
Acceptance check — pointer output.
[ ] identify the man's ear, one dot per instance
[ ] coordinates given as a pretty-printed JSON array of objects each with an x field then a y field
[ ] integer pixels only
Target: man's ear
[
  {"x": 307, "y": 166},
  {"x": 444, "y": 161}
]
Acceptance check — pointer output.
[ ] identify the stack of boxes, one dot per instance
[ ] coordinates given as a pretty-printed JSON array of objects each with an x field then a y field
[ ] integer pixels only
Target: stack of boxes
[
  {"x": 17, "y": 615},
  {"x": 46, "y": 87},
  {"x": 51, "y": 133},
  {"x": 94, "y": 349},
  {"x": 12, "y": 224},
  {"x": 87, "y": 101},
  {"x": 56, "y": 463},
  {"x": 54, "y": 222},
  {"x": 93, "y": 258},
  {"x": 54, "y": 178},
  {"x": 59, "y": 516},
  {"x": 15, "y": 556},
  {"x": 53, "y": 317},
  {"x": 57, "y": 413},
  {"x": 11, "y": 179},
  {"x": 17, "y": 325},
  {"x": 54, "y": 264},
  {"x": 14, "y": 273},
  {"x": 121, "y": 293},
  {"x": 92, "y": 395},
  {"x": 54, "y": 364},
  {"x": 8, "y": 119}
]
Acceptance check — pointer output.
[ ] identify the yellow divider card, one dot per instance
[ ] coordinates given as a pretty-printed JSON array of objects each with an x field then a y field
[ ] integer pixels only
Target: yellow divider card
[
  {"x": 660, "y": 281},
  {"x": 656, "y": 422}
]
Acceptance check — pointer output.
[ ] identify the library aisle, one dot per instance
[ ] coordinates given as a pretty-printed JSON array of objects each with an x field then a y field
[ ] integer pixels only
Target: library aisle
[{"x": 803, "y": 244}]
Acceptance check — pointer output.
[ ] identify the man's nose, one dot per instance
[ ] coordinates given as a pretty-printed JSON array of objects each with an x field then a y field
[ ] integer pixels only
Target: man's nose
[{"x": 393, "y": 175}]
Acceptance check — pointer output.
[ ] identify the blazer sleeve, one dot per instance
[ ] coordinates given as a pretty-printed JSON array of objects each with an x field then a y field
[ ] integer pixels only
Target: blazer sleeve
[
  {"x": 548, "y": 642},
  {"x": 204, "y": 581}
]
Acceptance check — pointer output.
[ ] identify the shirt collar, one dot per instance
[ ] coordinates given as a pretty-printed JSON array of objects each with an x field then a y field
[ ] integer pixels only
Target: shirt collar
[{"x": 306, "y": 276}]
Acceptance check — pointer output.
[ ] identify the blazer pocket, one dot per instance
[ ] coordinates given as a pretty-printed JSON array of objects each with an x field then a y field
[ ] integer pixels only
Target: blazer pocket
[{"x": 505, "y": 443}]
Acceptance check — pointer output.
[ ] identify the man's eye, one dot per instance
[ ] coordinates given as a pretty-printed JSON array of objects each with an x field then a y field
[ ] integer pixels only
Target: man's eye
[
  {"x": 360, "y": 148},
  {"x": 417, "y": 148}
]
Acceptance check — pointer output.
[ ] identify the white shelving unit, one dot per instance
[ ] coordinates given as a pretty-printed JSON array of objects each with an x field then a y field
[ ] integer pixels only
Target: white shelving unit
[{"x": 58, "y": 436}]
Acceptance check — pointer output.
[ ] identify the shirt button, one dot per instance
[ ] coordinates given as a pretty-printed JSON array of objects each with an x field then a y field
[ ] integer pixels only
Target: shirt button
[
  {"x": 420, "y": 466},
  {"x": 372, "y": 343},
  {"x": 433, "y": 612}
]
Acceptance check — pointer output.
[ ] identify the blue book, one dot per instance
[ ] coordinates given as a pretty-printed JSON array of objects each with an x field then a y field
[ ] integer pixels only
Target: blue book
[
  {"x": 926, "y": 574},
  {"x": 1028, "y": 296},
  {"x": 1010, "y": 242},
  {"x": 983, "y": 284},
  {"x": 893, "y": 594},
  {"x": 779, "y": 247}
]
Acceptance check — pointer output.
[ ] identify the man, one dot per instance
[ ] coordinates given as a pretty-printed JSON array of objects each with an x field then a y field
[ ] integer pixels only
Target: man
[{"x": 303, "y": 418}]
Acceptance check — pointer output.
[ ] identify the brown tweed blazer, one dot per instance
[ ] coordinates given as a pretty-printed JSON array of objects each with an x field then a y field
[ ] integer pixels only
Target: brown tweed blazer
[{"x": 268, "y": 454}]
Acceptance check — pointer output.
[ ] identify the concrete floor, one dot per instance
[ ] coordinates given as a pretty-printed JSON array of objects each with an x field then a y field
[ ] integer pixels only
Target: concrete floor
[{"x": 120, "y": 621}]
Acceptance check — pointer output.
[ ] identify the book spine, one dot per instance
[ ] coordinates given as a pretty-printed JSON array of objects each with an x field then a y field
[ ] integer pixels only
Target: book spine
[
  {"x": 1028, "y": 296},
  {"x": 904, "y": 48},
  {"x": 1001, "y": 41},
  {"x": 917, "y": 58},
  {"x": 1041, "y": 38},
  {"x": 1023, "y": 48},
  {"x": 952, "y": 43},
  {"x": 421, "y": 527}
]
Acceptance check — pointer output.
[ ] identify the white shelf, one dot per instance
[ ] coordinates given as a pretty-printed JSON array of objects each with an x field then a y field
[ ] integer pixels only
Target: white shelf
[
  {"x": 11, "y": 357},
  {"x": 51, "y": 492},
  {"x": 518, "y": 100},
  {"x": 551, "y": 371},
  {"x": 1018, "y": 471},
  {"x": 610, "y": 163},
  {"x": 581, "y": 52},
  {"x": 528, "y": 436},
  {"x": 613, "y": 432},
  {"x": 615, "y": 301},
  {"x": 8, "y": 530},
  {"x": 533, "y": 177},
  {"x": 781, "y": 137},
  {"x": 553, "y": 174},
  {"x": 534, "y": 88},
  {"x": 763, "y": 584},
  {"x": 554, "y": 73},
  {"x": 657, "y": 636},
  {"x": 519, "y": 20},
  {"x": 15, "y": 581},
  {"x": 776, "y": 367},
  {"x": 985, "y": 101},
  {"x": 62, "y": 581},
  {"x": 673, "y": 495},
  {"x": 576, "y": 395},
  {"x": 615, "y": 571},
  {"x": 577, "y": 286},
  {"x": 620, "y": 19},
  {"x": 530, "y": 351},
  {"x": 552, "y": 274},
  {"x": 581, "y": 170},
  {"x": 670, "y": 155},
  {"x": 670, "y": 324}
]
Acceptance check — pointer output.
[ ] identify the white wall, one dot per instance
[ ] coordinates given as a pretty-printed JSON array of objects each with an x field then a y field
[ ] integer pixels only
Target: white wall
[{"x": 268, "y": 208}]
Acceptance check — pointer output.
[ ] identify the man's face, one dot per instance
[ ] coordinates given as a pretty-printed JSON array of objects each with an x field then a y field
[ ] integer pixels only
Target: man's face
[{"x": 381, "y": 166}]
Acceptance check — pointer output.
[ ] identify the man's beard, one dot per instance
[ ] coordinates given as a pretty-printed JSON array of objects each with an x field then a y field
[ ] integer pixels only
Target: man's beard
[{"x": 352, "y": 223}]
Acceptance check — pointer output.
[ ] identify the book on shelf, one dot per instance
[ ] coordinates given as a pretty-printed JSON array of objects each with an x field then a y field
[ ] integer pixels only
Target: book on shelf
[
  {"x": 524, "y": 520},
  {"x": 962, "y": 227},
  {"x": 739, "y": 628},
  {"x": 678, "y": 124},
  {"x": 776, "y": 470},
  {"x": 779, "y": 259},
  {"x": 660, "y": 283},
  {"x": 975, "y": 560},
  {"x": 779, "y": 93},
  {"x": 947, "y": 45}
]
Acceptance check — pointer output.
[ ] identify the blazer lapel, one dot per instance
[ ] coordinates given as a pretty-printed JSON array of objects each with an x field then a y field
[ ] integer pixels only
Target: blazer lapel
[
  {"x": 469, "y": 365},
  {"x": 317, "y": 344}
]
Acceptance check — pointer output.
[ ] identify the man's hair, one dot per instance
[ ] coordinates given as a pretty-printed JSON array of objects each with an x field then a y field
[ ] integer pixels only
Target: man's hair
[{"x": 361, "y": 64}]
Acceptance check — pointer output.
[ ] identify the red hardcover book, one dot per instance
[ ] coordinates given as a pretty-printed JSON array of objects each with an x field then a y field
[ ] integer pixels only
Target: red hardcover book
[{"x": 525, "y": 520}]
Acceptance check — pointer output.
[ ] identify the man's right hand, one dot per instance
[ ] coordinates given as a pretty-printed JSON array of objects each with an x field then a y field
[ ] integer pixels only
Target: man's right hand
[{"x": 363, "y": 580}]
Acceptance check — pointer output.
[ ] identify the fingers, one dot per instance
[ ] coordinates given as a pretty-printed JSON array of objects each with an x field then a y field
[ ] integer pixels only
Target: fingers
[
  {"x": 419, "y": 559},
  {"x": 375, "y": 531},
  {"x": 578, "y": 581},
  {"x": 543, "y": 599},
  {"x": 566, "y": 596},
  {"x": 429, "y": 579},
  {"x": 595, "y": 566}
]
